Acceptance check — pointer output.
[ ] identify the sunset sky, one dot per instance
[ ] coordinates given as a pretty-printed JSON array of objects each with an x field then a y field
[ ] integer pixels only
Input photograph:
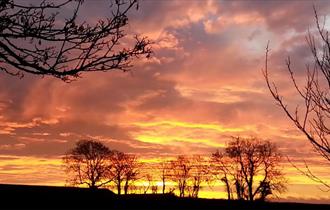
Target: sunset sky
[{"x": 202, "y": 85}]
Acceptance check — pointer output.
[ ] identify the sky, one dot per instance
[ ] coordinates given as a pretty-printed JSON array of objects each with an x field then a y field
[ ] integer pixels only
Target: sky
[{"x": 202, "y": 86}]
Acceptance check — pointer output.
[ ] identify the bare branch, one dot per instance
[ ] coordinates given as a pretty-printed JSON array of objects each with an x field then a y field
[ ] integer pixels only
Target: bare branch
[
  {"x": 314, "y": 122},
  {"x": 33, "y": 40}
]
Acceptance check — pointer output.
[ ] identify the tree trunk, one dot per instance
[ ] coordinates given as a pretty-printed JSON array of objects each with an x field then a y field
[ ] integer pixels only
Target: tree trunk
[
  {"x": 238, "y": 190},
  {"x": 126, "y": 188},
  {"x": 164, "y": 186},
  {"x": 119, "y": 187},
  {"x": 93, "y": 185},
  {"x": 228, "y": 189},
  {"x": 250, "y": 192}
]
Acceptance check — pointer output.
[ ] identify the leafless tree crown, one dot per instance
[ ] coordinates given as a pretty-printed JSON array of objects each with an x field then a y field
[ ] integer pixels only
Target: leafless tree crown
[
  {"x": 249, "y": 168},
  {"x": 311, "y": 116},
  {"x": 88, "y": 163},
  {"x": 34, "y": 39},
  {"x": 124, "y": 171},
  {"x": 189, "y": 173}
]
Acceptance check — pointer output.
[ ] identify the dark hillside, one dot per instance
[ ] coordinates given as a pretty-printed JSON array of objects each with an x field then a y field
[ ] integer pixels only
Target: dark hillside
[
  {"x": 45, "y": 197},
  {"x": 42, "y": 197}
]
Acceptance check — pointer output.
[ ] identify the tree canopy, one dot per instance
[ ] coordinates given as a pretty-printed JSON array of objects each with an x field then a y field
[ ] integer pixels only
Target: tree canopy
[
  {"x": 88, "y": 163},
  {"x": 249, "y": 168}
]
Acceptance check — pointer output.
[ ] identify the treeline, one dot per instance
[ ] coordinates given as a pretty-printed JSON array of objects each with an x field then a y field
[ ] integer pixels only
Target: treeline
[{"x": 248, "y": 168}]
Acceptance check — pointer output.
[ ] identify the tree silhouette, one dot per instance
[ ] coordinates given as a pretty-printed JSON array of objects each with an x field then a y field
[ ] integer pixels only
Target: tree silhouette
[
  {"x": 181, "y": 168},
  {"x": 148, "y": 179},
  {"x": 250, "y": 167},
  {"x": 223, "y": 170},
  {"x": 189, "y": 173},
  {"x": 118, "y": 170},
  {"x": 132, "y": 171},
  {"x": 312, "y": 118},
  {"x": 88, "y": 163},
  {"x": 199, "y": 174},
  {"x": 124, "y": 170},
  {"x": 35, "y": 40},
  {"x": 164, "y": 171}
]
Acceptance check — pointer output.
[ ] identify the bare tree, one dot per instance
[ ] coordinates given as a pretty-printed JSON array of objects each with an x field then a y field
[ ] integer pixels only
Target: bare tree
[
  {"x": 227, "y": 171},
  {"x": 132, "y": 172},
  {"x": 118, "y": 170},
  {"x": 164, "y": 168},
  {"x": 181, "y": 169},
  {"x": 313, "y": 118},
  {"x": 35, "y": 40},
  {"x": 189, "y": 173},
  {"x": 88, "y": 163},
  {"x": 249, "y": 167},
  {"x": 148, "y": 180},
  {"x": 123, "y": 171},
  {"x": 223, "y": 170},
  {"x": 200, "y": 174},
  {"x": 256, "y": 159}
]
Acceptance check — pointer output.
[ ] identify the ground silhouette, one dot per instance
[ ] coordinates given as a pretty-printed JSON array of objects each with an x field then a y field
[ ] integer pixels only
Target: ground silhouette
[{"x": 45, "y": 197}]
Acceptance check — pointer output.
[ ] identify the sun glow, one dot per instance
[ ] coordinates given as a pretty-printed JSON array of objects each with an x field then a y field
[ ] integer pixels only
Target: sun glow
[{"x": 206, "y": 126}]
